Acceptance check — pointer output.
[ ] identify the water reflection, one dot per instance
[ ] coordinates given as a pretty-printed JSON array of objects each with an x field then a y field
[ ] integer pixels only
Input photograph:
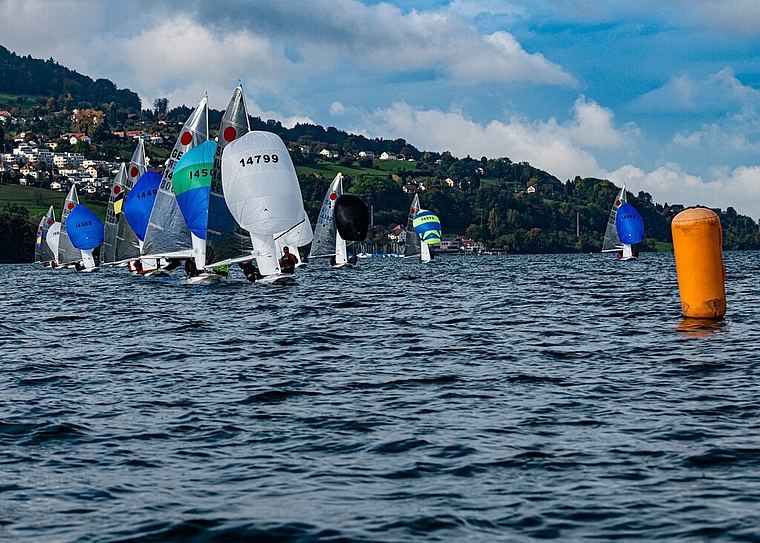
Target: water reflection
[{"x": 692, "y": 327}]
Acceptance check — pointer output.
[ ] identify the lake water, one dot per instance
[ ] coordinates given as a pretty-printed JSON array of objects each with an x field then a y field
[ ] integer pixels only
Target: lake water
[{"x": 498, "y": 398}]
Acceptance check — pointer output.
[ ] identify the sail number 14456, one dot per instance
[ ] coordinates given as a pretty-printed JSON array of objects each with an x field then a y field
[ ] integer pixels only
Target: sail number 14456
[{"x": 259, "y": 159}]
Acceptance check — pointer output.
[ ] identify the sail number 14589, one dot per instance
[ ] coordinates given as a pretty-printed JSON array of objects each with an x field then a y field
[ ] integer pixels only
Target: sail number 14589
[{"x": 259, "y": 159}]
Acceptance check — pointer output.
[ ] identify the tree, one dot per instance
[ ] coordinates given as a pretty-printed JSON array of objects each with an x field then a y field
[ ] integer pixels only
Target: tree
[{"x": 161, "y": 106}]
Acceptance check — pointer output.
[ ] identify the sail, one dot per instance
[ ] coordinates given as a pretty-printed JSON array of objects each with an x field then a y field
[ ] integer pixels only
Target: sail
[
  {"x": 42, "y": 250},
  {"x": 139, "y": 202},
  {"x": 167, "y": 235},
  {"x": 611, "y": 240},
  {"x": 260, "y": 184},
  {"x": 325, "y": 232},
  {"x": 226, "y": 240},
  {"x": 192, "y": 183},
  {"x": 84, "y": 228},
  {"x": 427, "y": 226},
  {"x": 53, "y": 238},
  {"x": 351, "y": 217},
  {"x": 137, "y": 166},
  {"x": 120, "y": 243},
  {"x": 67, "y": 253},
  {"x": 111, "y": 226},
  {"x": 296, "y": 237},
  {"x": 629, "y": 225},
  {"x": 425, "y": 255},
  {"x": 412, "y": 246}
]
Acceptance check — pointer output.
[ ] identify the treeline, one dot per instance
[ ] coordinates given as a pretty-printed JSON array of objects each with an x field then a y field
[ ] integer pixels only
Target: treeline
[
  {"x": 17, "y": 234},
  {"x": 47, "y": 79}
]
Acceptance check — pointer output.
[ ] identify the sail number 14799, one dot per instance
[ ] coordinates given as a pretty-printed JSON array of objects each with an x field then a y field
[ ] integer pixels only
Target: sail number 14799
[{"x": 259, "y": 159}]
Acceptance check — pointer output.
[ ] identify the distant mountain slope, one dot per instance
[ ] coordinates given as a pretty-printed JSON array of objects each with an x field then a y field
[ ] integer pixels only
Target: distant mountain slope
[{"x": 46, "y": 79}]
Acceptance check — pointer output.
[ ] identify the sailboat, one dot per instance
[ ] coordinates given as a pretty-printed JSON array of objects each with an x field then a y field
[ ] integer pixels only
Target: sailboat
[
  {"x": 43, "y": 253},
  {"x": 68, "y": 255},
  {"x": 137, "y": 208},
  {"x": 86, "y": 234},
  {"x": 167, "y": 235},
  {"x": 226, "y": 241},
  {"x": 327, "y": 240},
  {"x": 120, "y": 244},
  {"x": 263, "y": 195},
  {"x": 625, "y": 227},
  {"x": 192, "y": 184},
  {"x": 413, "y": 245}
]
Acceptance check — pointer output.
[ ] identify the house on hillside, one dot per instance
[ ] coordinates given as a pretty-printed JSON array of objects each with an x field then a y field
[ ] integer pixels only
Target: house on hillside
[{"x": 388, "y": 156}]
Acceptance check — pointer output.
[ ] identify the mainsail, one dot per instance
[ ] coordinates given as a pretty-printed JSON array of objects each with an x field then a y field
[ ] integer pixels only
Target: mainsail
[
  {"x": 412, "y": 242},
  {"x": 42, "y": 250},
  {"x": 326, "y": 238},
  {"x": 611, "y": 240},
  {"x": 127, "y": 246},
  {"x": 262, "y": 192},
  {"x": 226, "y": 241},
  {"x": 67, "y": 253},
  {"x": 120, "y": 244},
  {"x": 167, "y": 235}
]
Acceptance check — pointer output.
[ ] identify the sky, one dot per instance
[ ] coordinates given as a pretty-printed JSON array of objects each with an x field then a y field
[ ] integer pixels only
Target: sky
[{"x": 662, "y": 96}]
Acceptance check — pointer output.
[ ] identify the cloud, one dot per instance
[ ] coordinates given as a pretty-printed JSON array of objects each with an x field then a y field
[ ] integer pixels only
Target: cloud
[
  {"x": 560, "y": 149},
  {"x": 381, "y": 39},
  {"x": 737, "y": 17},
  {"x": 718, "y": 93},
  {"x": 738, "y": 188}
]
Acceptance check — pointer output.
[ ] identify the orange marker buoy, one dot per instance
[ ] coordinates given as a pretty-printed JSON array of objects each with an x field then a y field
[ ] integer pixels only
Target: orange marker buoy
[{"x": 698, "y": 248}]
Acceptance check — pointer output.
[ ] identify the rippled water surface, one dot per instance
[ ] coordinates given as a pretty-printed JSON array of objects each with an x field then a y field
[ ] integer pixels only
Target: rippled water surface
[{"x": 480, "y": 399}]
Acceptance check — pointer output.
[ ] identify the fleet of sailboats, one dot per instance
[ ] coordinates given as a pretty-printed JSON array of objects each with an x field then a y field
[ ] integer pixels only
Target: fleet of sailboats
[{"x": 236, "y": 200}]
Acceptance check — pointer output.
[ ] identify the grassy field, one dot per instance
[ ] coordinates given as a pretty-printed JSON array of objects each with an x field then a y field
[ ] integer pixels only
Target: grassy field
[
  {"x": 37, "y": 200},
  {"x": 381, "y": 168},
  {"x": 20, "y": 101}
]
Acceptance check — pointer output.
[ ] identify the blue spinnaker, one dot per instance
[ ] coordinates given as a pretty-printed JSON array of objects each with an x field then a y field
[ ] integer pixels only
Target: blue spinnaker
[
  {"x": 192, "y": 180},
  {"x": 629, "y": 224},
  {"x": 139, "y": 202},
  {"x": 84, "y": 228}
]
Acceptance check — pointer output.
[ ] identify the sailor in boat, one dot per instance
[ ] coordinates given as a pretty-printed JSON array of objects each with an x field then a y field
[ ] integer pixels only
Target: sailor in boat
[
  {"x": 190, "y": 268},
  {"x": 288, "y": 261},
  {"x": 172, "y": 264},
  {"x": 224, "y": 271},
  {"x": 250, "y": 271},
  {"x": 353, "y": 259}
]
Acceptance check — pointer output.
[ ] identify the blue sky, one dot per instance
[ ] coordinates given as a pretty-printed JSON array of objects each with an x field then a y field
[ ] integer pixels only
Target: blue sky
[{"x": 663, "y": 96}]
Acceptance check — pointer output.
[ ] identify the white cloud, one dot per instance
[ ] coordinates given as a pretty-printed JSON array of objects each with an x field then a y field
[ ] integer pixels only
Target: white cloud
[
  {"x": 182, "y": 60},
  {"x": 718, "y": 93},
  {"x": 560, "y": 149},
  {"x": 738, "y": 188},
  {"x": 381, "y": 39},
  {"x": 728, "y": 16}
]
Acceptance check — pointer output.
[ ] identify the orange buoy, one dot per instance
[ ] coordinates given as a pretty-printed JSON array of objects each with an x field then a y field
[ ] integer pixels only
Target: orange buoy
[{"x": 698, "y": 249}]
